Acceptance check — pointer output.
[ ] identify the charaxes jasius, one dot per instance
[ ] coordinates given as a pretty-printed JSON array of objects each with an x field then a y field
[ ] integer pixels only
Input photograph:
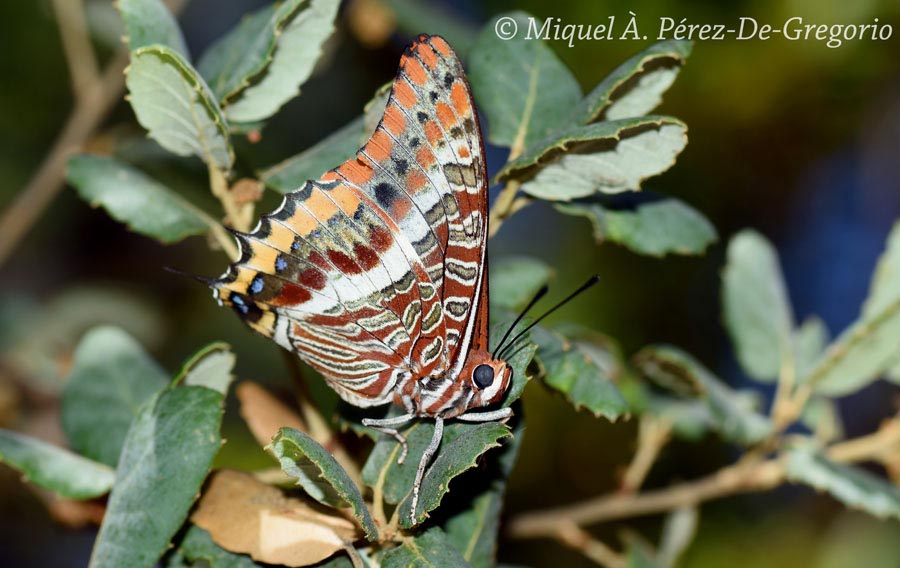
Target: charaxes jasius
[{"x": 376, "y": 274}]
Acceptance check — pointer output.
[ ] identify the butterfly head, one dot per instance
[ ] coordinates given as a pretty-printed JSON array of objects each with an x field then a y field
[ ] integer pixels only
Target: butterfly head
[{"x": 488, "y": 377}]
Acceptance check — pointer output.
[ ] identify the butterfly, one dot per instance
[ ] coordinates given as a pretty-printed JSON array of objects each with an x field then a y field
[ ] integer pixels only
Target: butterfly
[{"x": 376, "y": 273}]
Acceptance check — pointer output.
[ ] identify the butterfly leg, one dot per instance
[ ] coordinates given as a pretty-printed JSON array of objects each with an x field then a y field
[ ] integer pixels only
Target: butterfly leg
[
  {"x": 423, "y": 463},
  {"x": 491, "y": 416},
  {"x": 384, "y": 425}
]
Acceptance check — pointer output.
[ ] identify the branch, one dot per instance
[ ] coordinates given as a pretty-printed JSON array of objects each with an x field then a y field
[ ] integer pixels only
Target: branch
[
  {"x": 743, "y": 477},
  {"x": 578, "y": 539},
  {"x": 89, "y": 111},
  {"x": 80, "y": 56},
  {"x": 653, "y": 434},
  {"x": 93, "y": 102}
]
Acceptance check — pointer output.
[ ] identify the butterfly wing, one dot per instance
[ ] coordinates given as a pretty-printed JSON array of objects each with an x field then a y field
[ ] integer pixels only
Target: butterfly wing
[{"x": 374, "y": 273}]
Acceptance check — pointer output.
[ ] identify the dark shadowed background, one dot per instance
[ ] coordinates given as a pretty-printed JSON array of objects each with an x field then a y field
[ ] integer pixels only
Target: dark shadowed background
[{"x": 792, "y": 138}]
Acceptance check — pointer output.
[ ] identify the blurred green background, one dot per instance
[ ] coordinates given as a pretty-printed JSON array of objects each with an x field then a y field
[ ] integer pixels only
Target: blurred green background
[{"x": 792, "y": 138}]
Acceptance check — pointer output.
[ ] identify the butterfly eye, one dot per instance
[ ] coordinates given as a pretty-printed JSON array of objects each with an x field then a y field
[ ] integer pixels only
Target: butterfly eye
[{"x": 483, "y": 376}]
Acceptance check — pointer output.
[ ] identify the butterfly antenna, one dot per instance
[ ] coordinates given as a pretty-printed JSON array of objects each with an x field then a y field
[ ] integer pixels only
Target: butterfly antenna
[
  {"x": 590, "y": 282},
  {"x": 211, "y": 282},
  {"x": 540, "y": 294}
]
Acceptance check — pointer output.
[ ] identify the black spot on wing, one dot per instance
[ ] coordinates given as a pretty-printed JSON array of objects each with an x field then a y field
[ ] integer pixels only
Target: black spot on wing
[
  {"x": 385, "y": 194},
  {"x": 401, "y": 166}
]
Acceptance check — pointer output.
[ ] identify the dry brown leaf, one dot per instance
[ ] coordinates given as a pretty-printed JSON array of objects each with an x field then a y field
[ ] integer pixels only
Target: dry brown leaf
[
  {"x": 247, "y": 190},
  {"x": 247, "y": 516},
  {"x": 265, "y": 414},
  {"x": 75, "y": 514}
]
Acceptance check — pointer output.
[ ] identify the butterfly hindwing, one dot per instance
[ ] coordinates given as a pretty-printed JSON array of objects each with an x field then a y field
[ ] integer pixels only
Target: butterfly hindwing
[{"x": 375, "y": 273}]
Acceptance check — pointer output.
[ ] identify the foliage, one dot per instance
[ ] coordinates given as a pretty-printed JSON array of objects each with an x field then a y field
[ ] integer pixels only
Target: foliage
[{"x": 151, "y": 441}]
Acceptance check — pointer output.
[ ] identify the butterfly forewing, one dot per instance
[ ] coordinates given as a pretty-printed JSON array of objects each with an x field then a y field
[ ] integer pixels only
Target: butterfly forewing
[{"x": 374, "y": 274}]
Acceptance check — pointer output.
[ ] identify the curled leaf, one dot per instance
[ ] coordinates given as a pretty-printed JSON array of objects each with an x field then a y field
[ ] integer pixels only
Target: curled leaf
[
  {"x": 636, "y": 86},
  {"x": 320, "y": 474},
  {"x": 607, "y": 157},
  {"x": 456, "y": 456},
  {"x": 676, "y": 370},
  {"x": 173, "y": 103},
  {"x": 292, "y": 41}
]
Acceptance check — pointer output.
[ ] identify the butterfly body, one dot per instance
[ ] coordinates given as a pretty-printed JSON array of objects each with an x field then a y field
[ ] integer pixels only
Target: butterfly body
[{"x": 376, "y": 274}]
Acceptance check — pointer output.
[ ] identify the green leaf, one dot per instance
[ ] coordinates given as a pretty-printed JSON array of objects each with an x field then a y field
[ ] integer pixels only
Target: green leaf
[
  {"x": 111, "y": 378},
  {"x": 678, "y": 531},
  {"x": 167, "y": 454},
  {"x": 860, "y": 354},
  {"x": 198, "y": 548},
  {"x": 232, "y": 61},
  {"x": 520, "y": 85},
  {"x": 892, "y": 375},
  {"x": 320, "y": 475},
  {"x": 293, "y": 172},
  {"x": 397, "y": 479},
  {"x": 640, "y": 557},
  {"x": 654, "y": 226},
  {"x": 280, "y": 59},
  {"x": 381, "y": 467},
  {"x": 756, "y": 306},
  {"x": 431, "y": 549},
  {"x": 473, "y": 532},
  {"x": 210, "y": 367},
  {"x": 607, "y": 157},
  {"x": 133, "y": 198},
  {"x": 690, "y": 419},
  {"x": 45, "y": 465},
  {"x": 456, "y": 456},
  {"x": 636, "y": 87},
  {"x": 852, "y": 486},
  {"x": 676, "y": 370},
  {"x": 885, "y": 286},
  {"x": 514, "y": 280},
  {"x": 105, "y": 23},
  {"x": 412, "y": 17},
  {"x": 580, "y": 370},
  {"x": 823, "y": 419},
  {"x": 870, "y": 346},
  {"x": 174, "y": 104},
  {"x": 149, "y": 22},
  {"x": 810, "y": 341},
  {"x": 373, "y": 110}
]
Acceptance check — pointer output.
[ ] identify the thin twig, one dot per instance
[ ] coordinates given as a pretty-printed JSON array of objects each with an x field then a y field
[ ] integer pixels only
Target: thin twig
[
  {"x": 79, "y": 52},
  {"x": 578, "y": 539},
  {"x": 355, "y": 558},
  {"x": 87, "y": 114},
  {"x": 783, "y": 412},
  {"x": 219, "y": 187},
  {"x": 92, "y": 103},
  {"x": 742, "y": 477},
  {"x": 653, "y": 434}
]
